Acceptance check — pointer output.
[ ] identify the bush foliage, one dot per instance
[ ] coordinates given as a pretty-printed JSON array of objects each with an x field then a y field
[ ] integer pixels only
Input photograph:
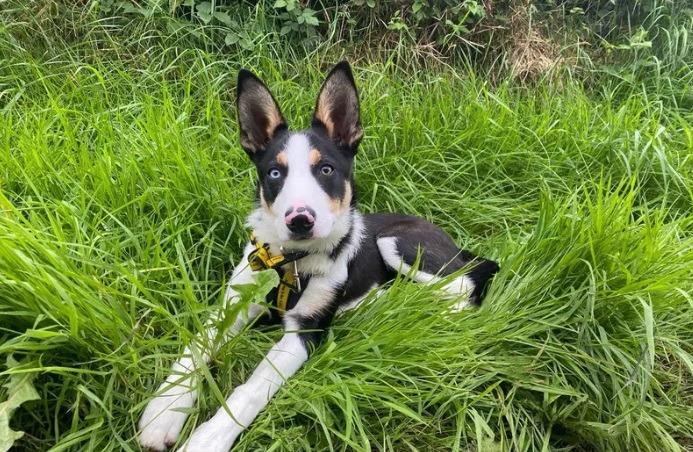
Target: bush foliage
[{"x": 444, "y": 25}]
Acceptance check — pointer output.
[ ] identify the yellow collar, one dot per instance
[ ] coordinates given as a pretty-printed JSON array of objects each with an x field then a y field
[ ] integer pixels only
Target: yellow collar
[{"x": 261, "y": 259}]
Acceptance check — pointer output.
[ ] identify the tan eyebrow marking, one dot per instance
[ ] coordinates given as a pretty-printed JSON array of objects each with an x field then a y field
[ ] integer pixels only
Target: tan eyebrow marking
[
  {"x": 282, "y": 159},
  {"x": 263, "y": 202},
  {"x": 314, "y": 156},
  {"x": 340, "y": 205}
]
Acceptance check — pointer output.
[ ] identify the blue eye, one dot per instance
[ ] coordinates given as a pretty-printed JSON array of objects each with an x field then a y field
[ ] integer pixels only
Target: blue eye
[
  {"x": 274, "y": 173},
  {"x": 326, "y": 169}
]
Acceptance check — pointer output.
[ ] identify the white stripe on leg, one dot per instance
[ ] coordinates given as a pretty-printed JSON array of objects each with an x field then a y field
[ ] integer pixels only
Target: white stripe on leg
[
  {"x": 460, "y": 288},
  {"x": 161, "y": 422},
  {"x": 247, "y": 400},
  {"x": 164, "y": 417}
]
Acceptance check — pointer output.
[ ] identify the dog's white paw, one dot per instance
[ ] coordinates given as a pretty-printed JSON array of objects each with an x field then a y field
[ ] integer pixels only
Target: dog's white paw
[
  {"x": 216, "y": 435},
  {"x": 161, "y": 422}
]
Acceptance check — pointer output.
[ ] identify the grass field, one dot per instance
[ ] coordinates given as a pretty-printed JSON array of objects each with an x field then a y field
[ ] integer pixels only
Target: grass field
[{"x": 123, "y": 193}]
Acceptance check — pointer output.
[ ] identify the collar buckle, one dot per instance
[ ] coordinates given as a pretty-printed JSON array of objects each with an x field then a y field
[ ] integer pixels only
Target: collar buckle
[{"x": 261, "y": 259}]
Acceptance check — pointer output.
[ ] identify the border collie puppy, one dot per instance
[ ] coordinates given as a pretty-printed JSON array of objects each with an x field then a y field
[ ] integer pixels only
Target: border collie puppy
[{"x": 330, "y": 255}]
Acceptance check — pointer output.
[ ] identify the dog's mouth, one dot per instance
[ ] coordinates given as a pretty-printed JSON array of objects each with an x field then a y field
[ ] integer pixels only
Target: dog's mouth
[{"x": 301, "y": 236}]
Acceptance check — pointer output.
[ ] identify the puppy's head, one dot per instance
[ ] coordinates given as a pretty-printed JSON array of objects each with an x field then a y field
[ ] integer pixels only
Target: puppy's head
[{"x": 305, "y": 183}]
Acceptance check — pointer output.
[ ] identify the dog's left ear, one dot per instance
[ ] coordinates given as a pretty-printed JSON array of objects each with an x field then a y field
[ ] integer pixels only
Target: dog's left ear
[{"x": 337, "y": 108}]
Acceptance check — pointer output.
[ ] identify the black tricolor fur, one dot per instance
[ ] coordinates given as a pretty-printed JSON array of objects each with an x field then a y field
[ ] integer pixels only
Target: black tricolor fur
[
  {"x": 333, "y": 140},
  {"x": 269, "y": 157},
  {"x": 421, "y": 242}
]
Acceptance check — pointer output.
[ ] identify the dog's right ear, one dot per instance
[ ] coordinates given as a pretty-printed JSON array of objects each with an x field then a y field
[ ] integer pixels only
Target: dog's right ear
[{"x": 259, "y": 117}]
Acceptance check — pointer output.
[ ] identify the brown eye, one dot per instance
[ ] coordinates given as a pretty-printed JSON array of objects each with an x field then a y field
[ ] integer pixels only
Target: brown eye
[{"x": 326, "y": 170}]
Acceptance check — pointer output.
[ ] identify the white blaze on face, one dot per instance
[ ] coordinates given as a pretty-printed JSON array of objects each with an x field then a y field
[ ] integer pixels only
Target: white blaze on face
[{"x": 301, "y": 188}]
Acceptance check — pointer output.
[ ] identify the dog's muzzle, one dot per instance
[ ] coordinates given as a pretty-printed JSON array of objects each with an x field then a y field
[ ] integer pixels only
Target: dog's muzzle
[{"x": 300, "y": 221}]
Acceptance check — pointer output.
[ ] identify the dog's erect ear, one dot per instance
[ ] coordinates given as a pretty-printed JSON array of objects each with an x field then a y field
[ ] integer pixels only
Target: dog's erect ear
[
  {"x": 259, "y": 117},
  {"x": 337, "y": 108}
]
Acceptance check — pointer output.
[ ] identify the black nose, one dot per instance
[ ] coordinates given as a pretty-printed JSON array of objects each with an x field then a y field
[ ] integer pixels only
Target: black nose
[{"x": 301, "y": 224}]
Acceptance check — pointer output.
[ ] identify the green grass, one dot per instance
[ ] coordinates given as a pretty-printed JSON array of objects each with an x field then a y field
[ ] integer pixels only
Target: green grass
[{"x": 123, "y": 196}]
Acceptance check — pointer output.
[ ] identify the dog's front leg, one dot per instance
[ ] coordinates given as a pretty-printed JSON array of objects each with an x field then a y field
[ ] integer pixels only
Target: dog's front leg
[
  {"x": 283, "y": 360},
  {"x": 247, "y": 400},
  {"x": 165, "y": 415}
]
